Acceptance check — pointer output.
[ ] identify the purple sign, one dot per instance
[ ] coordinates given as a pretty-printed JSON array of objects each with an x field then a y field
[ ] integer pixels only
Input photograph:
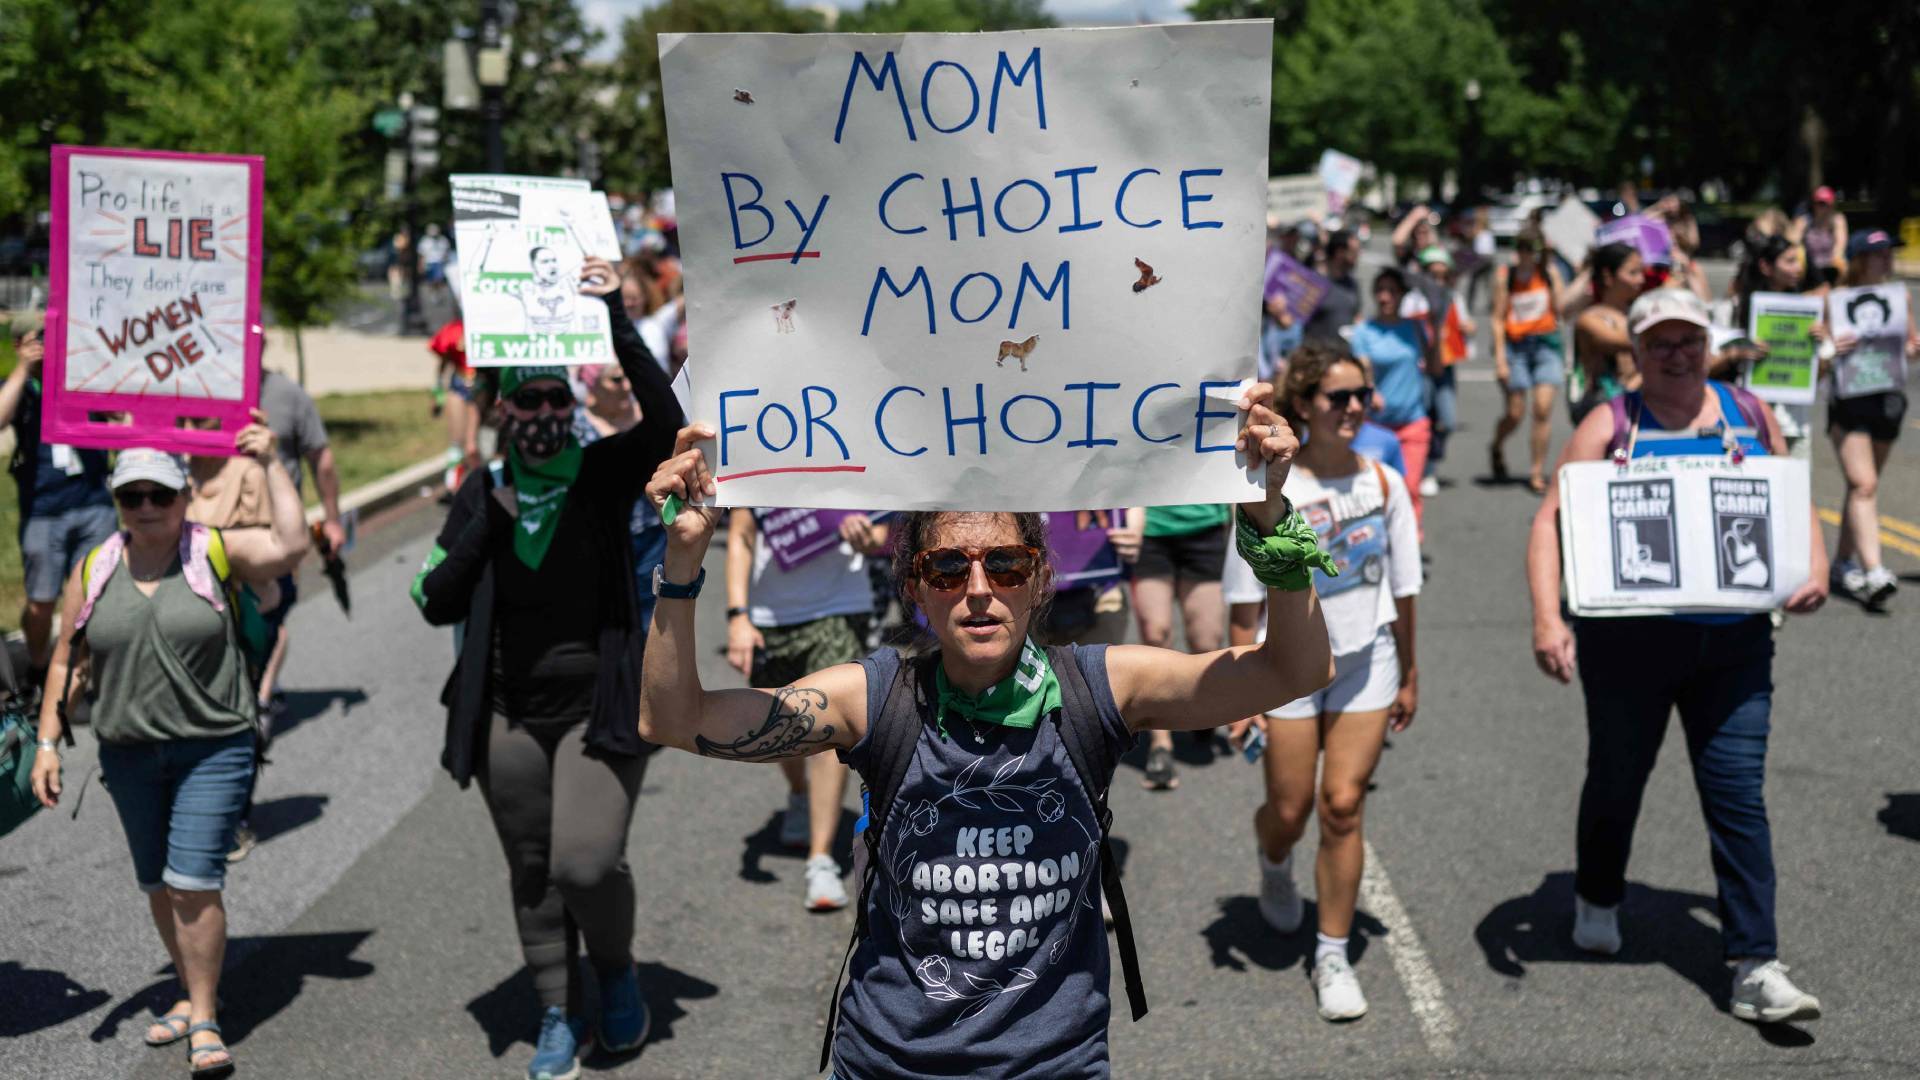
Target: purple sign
[
  {"x": 1293, "y": 281},
  {"x": 1081, "y": 553},
  {"x": 1649, "y": 236},
  {"x": 798, "y": 535}
]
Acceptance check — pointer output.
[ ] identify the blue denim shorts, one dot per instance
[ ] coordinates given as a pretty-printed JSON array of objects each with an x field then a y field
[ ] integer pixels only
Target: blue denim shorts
[
  {"x": 179, "y": 801},
  {"x": 1535, "y": 361}
]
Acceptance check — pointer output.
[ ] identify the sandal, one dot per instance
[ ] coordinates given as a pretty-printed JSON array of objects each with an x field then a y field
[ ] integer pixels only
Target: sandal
[
  {"x": 215, "y": 1070},
  {"x": 173, "y": 1022},
  {"x": 1537, "y": 485}
]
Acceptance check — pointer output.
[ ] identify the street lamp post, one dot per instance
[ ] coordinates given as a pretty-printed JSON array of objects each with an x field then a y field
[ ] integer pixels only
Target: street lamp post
[
  {"x": 491, "y": 73},
  {"x": 1470, "y": 144}
]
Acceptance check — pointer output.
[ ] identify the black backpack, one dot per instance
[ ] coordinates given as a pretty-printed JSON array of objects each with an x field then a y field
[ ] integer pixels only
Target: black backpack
[{"x": 891, "y": 738}]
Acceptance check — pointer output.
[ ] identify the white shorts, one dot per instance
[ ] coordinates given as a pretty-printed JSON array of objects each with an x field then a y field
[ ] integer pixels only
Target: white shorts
[{"x": 1364, "y": 681}]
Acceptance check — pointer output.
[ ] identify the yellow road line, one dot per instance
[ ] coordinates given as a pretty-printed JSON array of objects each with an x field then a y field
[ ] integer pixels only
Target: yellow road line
[
  {"x": 1904, "y": 528},
  {"x": 1887, "y": 539}
]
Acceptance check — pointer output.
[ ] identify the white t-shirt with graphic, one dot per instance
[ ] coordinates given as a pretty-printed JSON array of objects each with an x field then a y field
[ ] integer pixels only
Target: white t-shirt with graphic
[{"x": 1365, "y": 521}]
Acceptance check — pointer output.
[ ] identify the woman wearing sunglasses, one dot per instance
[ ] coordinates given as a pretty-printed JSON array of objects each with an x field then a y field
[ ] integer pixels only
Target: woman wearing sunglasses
[
  {"x": 1364, "y": 517},
  {"x": 166, "y": 681},
  {"x": 537, "y": 558},
  {"x": 982, "y": 952}
]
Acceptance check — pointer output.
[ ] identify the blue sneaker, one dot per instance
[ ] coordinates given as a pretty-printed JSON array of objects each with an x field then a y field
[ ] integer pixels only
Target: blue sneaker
[
  {"x": 624, "y": 1019},
  {"x": 557, "y": 1056}
]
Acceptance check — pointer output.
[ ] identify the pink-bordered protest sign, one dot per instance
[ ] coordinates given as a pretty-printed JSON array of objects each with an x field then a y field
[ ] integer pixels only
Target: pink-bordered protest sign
[{"x": 155, "y": 303}]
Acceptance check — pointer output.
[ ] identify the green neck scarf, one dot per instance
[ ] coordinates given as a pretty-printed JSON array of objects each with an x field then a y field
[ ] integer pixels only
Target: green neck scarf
[
  {"x": 1017, "y": 701},
  {"x": 541, "y": 493}
]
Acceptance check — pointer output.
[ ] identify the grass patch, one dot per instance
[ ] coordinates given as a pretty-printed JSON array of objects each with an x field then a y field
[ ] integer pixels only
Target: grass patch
[{"x": 372, "y": 435}]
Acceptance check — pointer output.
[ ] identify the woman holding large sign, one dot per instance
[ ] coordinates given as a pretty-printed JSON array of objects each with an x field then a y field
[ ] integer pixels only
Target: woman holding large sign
[
  {"x": 979, "y": 948},
  {"x": 1869, "y": 404},
  {"x": 1716, "y": 669},
  {"x": 536, "y": 559}
]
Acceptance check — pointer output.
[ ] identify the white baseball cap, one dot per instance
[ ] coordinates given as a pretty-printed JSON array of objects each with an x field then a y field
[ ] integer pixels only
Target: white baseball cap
[
  {"x": 143, "y": 463},
  {"x": 1668, "y": 305}
]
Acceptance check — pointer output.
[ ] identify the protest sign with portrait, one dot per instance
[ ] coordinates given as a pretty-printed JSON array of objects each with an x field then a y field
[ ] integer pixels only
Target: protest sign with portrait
[
  {"x": 1784, "y": 323},
  {"x": 1670, "y": 535},
  {"x": 1876, "y": 317},
  {"x": 153, "y": 320},
  {"x": 522, "y": 240},
  {"x": 996, "y": 271}
]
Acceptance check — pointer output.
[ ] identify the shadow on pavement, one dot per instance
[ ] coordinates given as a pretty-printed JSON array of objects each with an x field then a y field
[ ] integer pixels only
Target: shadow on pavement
[
  {"x": 32, "y": 999},
  {"x": 1239, "y": 937},
  {"x": 1901, "y": 815},
  {"x": 1658, "y": 926},
  {"x": 305, "y": 705},
  {"x": 263, "y": 976},
  {"x": 509, "y": 1013},
  {"x": 277, "y": 817},
  {"x": 759, "y": 845}
]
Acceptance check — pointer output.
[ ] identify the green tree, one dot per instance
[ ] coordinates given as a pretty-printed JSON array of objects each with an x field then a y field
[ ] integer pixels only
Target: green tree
[
  {"x": 228, "y": 76},
  {"x": 59, "y": 61},
  {"x": 634, "y": 128},
  {"x": 949, "y": 16}
]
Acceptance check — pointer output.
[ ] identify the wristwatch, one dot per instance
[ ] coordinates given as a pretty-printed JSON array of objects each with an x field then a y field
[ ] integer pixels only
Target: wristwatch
[
  {"x": 667, "y": 590},
  {"x": 735, "y": 612}
]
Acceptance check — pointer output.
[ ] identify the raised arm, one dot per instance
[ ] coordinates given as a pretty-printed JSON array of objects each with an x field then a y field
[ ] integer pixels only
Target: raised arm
[
  {"x": 646, "y": 444},
  {"x": 826, "y": 710},
  {"x": 267, "y": 553},
  {"x": 26, "y": 366},
  {"x": 1162, "y": 688}
]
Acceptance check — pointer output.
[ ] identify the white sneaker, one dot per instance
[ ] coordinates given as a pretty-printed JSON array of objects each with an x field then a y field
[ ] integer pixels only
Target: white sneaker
[
  {"x": 1280, "y": 902},
  {"x": 795, "y": 827},
  {"x": 824, "y": 889},
  {"x": 1853, "y": 582},
  {"x": 1429, "y": 486},
  {"x": 1596, "y": 929},
  {"x": 1882, "y": 584},
  {"x": 1837, "y": 573},
  {"x": 1766, "y": 996},
  {"x": 1338, "y": 990}
]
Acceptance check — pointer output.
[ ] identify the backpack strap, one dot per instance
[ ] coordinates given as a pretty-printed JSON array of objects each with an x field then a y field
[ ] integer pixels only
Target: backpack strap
[
  {"x": 1622, "y": 425},
  {"x": 1751, "y": 411},
  {"x": 892, "y": 734},
  {"x": 1094, "y": 758},
  {"x": 95, "y": 571}
]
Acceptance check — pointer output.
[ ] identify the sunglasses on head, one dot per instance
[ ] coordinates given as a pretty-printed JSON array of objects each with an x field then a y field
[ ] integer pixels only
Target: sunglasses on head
[
  {"x": 134, "y": 498},
  {"x": 530, "y": 398},
  {"x": 946, "y": 569},
  {"x": 1341, "y": 399}
]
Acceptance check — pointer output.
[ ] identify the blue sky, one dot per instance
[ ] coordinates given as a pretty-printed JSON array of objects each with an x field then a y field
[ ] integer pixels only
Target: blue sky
[{"x": 608, "y": 14}]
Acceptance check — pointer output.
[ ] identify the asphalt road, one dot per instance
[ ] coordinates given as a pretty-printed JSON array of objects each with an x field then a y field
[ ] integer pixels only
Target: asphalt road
[{"x": 372, "y": 934}]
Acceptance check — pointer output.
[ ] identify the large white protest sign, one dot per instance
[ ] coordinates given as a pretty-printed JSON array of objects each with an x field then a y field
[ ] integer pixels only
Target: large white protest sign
[
  {"x": 155, "y": 308},
  {"x": 1665, "y": 535},
  {"x": 1876, "y": 317},
  {"x": 993, "y": 271},
  {"x": 521, "y": 242},
  {"x": 1340, "y": 174},
  {"x": 1569, "y": 229}
]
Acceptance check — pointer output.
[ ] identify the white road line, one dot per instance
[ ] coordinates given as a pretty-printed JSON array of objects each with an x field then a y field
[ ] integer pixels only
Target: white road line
[{"x": 1438, "y": 1025}]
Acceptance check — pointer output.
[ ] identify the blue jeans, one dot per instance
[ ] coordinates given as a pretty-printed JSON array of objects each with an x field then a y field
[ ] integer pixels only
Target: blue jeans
[
  {"x": 179, "y": 801},
  {"x": 1635, "y": 672},
  {"x": 1443, "y": 404}
]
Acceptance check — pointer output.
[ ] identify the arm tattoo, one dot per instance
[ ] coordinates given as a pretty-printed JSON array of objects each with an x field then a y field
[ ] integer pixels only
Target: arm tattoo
[{"x": 788, "y": 731}]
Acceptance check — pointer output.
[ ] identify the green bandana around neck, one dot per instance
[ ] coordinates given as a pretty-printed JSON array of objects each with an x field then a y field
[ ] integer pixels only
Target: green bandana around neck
[
  {"x": 1017, "y": 701},
  {"x": 540, "y": 493}
]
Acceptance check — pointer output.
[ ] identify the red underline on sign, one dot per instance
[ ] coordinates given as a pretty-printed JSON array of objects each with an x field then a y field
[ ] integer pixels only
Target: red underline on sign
[
  {"x": 776, "y": 255},
  {"x": 793, "y": 469}
]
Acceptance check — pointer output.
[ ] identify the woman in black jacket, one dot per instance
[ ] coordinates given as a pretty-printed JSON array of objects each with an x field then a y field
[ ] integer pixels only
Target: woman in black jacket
[{"x": 535, "y": 559}]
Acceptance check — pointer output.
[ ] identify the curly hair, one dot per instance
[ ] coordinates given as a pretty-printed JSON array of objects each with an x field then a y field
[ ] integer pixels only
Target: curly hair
[
  {"x": 1306, "y": 369},
  {"x": 914, "y": 531}
]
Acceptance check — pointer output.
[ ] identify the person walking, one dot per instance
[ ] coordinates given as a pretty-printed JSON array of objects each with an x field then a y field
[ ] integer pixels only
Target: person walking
[
  {"x": 1341, "y": 307},
  {"x": 151, "y": 621},
  {"x": 1363, "y": 515},
  {"x": 65, "y": 508},
  {"x": 1448, "y": 324},
  {"x": 1603, "y": 366},
  {"x": 1526, "y": 351},
  {"x": 1400, "y": 354},
  {"x": 536, "y": 557},
  {"x": 1822, "y": 230},
  {"x": 301, "y": 437},
  {"x": 1863, "y": 429},
  {"x": 1182, "y": 553},
  {"x": 974, "y": 748},
  {"x": 1717, "y": 670},
  {"x": 454, "y": 397},
  {"x": 784, "y": 621}
]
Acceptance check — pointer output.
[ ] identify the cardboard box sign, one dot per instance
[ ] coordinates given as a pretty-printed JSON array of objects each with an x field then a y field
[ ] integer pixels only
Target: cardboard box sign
[{"x": 1676, "y": 535}]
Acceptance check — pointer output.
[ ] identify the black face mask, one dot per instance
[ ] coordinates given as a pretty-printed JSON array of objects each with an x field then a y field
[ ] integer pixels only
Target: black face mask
[{"x": 542, "y": 435}]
